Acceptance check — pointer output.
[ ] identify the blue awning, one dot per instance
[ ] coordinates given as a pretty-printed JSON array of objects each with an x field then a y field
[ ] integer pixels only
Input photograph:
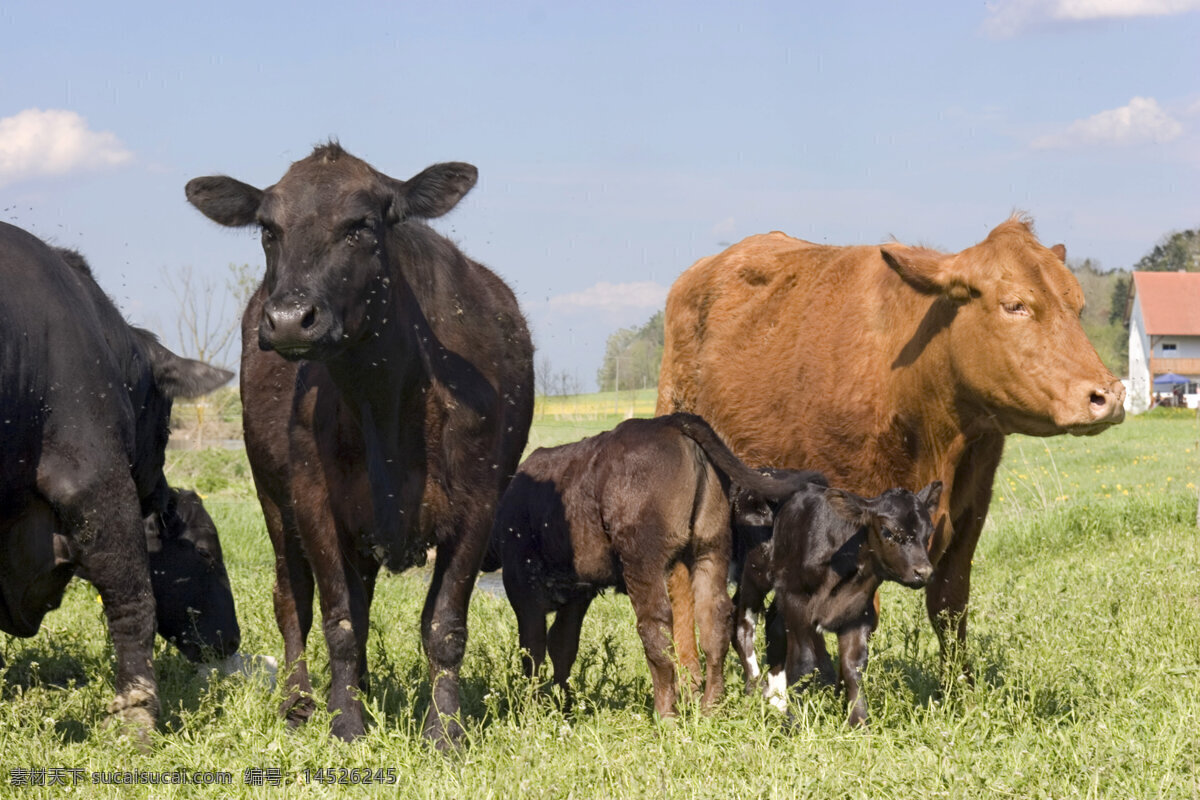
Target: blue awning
[{"x": 1170, "y": 379}]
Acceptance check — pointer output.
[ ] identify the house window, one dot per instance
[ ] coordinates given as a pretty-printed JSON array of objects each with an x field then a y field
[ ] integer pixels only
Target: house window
[{"x": 1168, "y": 349}]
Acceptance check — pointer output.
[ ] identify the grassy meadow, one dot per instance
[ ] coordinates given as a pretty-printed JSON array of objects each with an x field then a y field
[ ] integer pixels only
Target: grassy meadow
[{"x": 1084, "y": 637}]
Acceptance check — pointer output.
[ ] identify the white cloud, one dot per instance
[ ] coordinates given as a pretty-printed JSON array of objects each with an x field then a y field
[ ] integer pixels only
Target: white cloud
[
  {"x": 36, "y": 143},
  {"x": 1010, "y": 17},
  {"x": 613, "y": 297},
  {"x": 1142, "y": 121}
]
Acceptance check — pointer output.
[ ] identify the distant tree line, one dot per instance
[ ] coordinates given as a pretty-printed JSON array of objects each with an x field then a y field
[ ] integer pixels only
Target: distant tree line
[
  {"x": 632, "y": 357},
  {"x": 549, "y": 382}
]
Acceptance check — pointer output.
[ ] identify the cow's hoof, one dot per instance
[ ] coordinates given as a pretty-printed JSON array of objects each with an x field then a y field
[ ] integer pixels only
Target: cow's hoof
[
  {"x": 347, "y": 728},
  {"x": 133, "y": 713},
  {"x": 444, "y": 732},
  {"x": 297, "y": 709}
]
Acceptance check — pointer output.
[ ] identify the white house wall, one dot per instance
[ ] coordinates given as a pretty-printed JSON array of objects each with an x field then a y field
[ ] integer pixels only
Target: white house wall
[
  {"x": 1137, "y": 395},
  {"x": 1185, "y": 346}
]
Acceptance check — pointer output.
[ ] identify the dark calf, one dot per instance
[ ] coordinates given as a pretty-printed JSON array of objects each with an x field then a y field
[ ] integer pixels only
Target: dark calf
[
  {"x": 193, "y": 601},
  {"x": 829, "y": 553},
  {"x": 621, "y": 509}
]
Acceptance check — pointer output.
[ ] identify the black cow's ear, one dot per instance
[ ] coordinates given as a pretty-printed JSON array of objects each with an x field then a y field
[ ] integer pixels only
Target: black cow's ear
[
  {"x": 435, "y": 190},
  {"x": 186, "y": 377},
  {"x": 225, "y": 200},
  {"x": 177, "y": 376},
  {"x": 848, "y": 506},
  {"x": 931, "y": 495}
]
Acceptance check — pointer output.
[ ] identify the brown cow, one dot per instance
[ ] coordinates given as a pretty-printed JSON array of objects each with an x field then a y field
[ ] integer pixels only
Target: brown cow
[
  {"x": 388, "y": 390},
  {"x": 890, "y": 366}
]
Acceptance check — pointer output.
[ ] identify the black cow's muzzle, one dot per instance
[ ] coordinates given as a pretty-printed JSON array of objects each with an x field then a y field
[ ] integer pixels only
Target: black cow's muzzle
[{"x": 296, "y": 326}]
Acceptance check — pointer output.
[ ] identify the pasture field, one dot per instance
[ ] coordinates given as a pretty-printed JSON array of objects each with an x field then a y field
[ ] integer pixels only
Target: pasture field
[{"x": 1085, "y": 641}]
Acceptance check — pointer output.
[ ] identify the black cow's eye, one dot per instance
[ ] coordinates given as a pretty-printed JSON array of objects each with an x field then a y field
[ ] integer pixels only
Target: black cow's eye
[
  {"x": 356, "y": 230},
  {"x": 887, "y": 533},
  {"x": 268, "y": 235}
]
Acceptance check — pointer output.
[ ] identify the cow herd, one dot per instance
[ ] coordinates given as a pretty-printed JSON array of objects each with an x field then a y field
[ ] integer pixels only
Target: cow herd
[{"x": 828, "y": 418}]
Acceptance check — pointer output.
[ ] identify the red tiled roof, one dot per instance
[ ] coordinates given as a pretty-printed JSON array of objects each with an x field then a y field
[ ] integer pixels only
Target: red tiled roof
[{"x": 1170, "y": 302}]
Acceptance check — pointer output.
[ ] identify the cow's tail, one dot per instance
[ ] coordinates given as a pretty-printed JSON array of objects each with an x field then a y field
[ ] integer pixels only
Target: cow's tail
[{"x": 776, "y": 486}]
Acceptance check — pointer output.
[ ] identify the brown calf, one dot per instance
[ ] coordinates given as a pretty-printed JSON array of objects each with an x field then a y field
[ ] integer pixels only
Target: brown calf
[{"x": 620, "y": 509}]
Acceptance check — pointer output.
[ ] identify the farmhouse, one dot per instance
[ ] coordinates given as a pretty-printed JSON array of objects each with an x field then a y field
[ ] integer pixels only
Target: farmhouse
[{"x": 1164, "y": 337}]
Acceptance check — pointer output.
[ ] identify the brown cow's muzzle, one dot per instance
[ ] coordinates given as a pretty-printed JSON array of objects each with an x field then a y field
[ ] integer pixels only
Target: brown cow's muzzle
[{"x": 1105, "y": 408}]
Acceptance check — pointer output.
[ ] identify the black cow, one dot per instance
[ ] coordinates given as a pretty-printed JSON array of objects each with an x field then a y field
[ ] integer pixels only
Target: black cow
[
  {"x": 192, "y": 598},
  {"x": 387, "y": 383},
  {"x": 826, "y": 559},
  {"x": 85, "y": 402},
  {"x": 622, "y": 508}
]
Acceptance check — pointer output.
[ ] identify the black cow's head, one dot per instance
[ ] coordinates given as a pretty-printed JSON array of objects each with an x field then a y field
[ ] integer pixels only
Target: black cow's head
[
  {"x": 194, "y": 603},
  {"x": 329, "y": 229},
  {"x": 899, "y": 529}
]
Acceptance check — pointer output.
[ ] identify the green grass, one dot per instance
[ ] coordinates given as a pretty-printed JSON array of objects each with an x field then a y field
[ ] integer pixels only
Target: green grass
[{"x": 1085, "y": 639}]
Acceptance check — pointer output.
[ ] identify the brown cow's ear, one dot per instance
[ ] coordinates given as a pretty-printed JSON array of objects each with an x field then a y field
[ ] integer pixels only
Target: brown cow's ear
[
  {"x": 927, "y": 271},
  {"x": 848, "y": 506},
  {"x": 1060, "y": 250}
]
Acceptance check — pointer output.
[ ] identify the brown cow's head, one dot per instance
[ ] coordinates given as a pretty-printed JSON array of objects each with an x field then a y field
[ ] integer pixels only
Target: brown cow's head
[
  {"x": 329, "y": 228},
  {"x": 1016, "y": 343}
]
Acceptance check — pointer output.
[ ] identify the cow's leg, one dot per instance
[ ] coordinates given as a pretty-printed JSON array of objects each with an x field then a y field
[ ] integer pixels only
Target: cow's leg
[
  {"x": 564, "y": 643},
  {"x": 444, "y": 617},
  {"x": 806, "y": 652},
  {"x": 714, "y": 613},
  {"x": 293, "y": 600},
  {"x": 775, "y": 689},
  {"x": 683, "y": 613},
  {"x": 968, "y": 497},
  {"x": 826, "y": 673},
  {"x": 531, "y": 619},
  {"x": 748, "y": 602},
  {"x": 949, "y": 588},
  {"x": 344, "y": 619},
  {"x": 367, "y": 569},
  {"x": 652, "y": 606},
  {"x": 852, "y": 660},
  {"x": 101, "y": 512}
]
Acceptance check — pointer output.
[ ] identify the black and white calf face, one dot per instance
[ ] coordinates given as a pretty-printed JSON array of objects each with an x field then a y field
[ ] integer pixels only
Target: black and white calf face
[
  {"x": 899, "y": 529},
  {"x": 193, "y": 599},
  {"x": 332, "y": 230}
]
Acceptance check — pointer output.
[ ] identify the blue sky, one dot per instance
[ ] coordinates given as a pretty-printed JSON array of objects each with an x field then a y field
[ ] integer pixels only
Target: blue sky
[{"x": 617, "y": 143}]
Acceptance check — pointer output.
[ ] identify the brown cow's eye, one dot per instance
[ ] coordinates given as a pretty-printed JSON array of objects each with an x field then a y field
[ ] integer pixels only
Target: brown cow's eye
[{"x": 1017, "y": 308}]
